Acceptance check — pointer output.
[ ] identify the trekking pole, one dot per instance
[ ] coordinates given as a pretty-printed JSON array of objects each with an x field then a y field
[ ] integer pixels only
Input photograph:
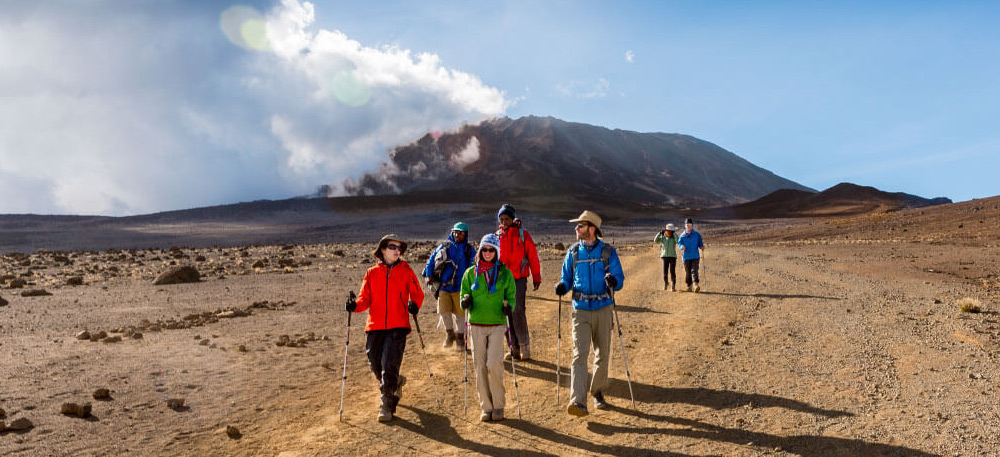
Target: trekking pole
[
  {"x": 347, "y": 341},
  {"x": 704, "y": 268},
  {"x": 558, "y": 348},
  {"x": 621, "y": 339},
  {"x": 465, "y": 357},
  {"x": 416, "y": 323},
  {"x": 513, "y": 369}
]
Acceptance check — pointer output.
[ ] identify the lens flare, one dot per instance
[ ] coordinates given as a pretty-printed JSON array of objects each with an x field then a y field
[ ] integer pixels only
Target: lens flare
[
  {"x": 350, "y": 90},
  {"x": 244, "y": 27}
]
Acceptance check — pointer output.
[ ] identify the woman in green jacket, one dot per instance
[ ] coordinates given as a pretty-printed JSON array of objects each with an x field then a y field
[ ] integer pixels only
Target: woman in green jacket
[
  {"x": 488, "y": 298},
  {"x": 668, "y": 252}
]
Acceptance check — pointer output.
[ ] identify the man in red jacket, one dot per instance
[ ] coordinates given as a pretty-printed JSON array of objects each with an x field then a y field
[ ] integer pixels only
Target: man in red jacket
[
  {"x": 517, "y": 252},
  {"x": 389, "y": 291}
]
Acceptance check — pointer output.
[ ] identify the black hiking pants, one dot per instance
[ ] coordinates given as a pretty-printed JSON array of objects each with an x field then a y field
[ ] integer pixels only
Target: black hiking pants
[
  {"x": 669, "y": 268},
  {"x": 385, "y": 355},
  {"x": 691, "y": 271}
]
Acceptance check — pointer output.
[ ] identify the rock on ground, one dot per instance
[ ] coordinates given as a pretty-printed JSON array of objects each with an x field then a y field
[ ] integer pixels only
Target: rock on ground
[{"x": 177, "y": 275}]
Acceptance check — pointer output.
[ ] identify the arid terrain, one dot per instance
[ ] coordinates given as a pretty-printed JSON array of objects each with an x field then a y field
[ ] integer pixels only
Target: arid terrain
[{"x": 824, "y": 336}]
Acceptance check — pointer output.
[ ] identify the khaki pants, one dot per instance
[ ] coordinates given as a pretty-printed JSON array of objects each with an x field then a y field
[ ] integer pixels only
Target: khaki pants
[
  {"x": 451, "y": 312},
  {"x": 487, "y": 356},
  {"x": 590, "y": 327}
]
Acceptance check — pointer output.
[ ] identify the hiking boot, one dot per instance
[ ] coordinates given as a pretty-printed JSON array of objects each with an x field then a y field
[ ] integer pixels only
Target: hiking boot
[
  {"x": 384, "y": 415},
  {"x": 576, "y": 409},
  {"x": 525, "y": 353},
  {"x": 673, "y": 288},
  {"x": 449, "y": 339},
  {"x": 666, "y": 286},
  {"x": 486, "y": 416},
  {"x": 515, "y": 353},
  {"x": 459, "y": 342},
  {"x": 599, "y": 402},
  {"x": 689, "y": 288},
  {"x": 697, "y": 288},
  {"x": 497, "y": 414}
]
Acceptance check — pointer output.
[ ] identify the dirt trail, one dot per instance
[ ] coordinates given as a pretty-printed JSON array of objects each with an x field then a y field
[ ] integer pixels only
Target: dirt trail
[{"x": 791, "y": 350}]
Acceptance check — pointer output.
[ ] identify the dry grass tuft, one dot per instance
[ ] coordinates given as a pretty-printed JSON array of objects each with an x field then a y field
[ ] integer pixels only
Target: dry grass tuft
[{"x": 970, "y": 305}]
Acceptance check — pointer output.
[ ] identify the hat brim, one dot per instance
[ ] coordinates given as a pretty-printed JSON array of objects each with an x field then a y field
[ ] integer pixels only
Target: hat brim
[{"x": 385, "y": 241}]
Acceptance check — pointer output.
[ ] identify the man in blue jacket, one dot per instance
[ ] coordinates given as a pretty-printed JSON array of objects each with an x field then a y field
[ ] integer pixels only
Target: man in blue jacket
[
  {"x": 689, "y": 243},
  {"x": 591, "y": 271},
  {"x": 443, "y": 274}
]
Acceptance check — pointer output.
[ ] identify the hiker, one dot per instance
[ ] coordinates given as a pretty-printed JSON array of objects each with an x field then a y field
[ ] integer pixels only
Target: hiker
[
  {"x": 487, "y": 295},
  {"x": 443, "y": 274},
  {"x": 690, "y": 243},
  {"x": 668, "y": 252},
  {"x": 590, "y": 269},
  {"x": 517, "y": 252},
  {"x": 389, "y": 291}
]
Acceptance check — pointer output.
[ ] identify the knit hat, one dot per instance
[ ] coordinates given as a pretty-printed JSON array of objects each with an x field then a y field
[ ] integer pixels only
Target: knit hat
[
  {"x": 506, "y": 209},
  {"x": 384, "y": 241},
  {"x": 490, "y": 240}
]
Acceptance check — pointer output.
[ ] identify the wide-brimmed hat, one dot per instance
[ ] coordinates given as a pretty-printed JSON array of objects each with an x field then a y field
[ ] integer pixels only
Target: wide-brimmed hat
[
  {"x": 671, "y": 228},
  {"x": 385, "y": 240},
  {"x": 592, "y": 217}
]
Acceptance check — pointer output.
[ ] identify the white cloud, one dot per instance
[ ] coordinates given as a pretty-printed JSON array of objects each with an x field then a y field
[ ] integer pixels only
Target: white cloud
[
  {"x": 581, "y": 89},
  {"x": 123, "y": 110},
  {"x": 629, "y": 56}
]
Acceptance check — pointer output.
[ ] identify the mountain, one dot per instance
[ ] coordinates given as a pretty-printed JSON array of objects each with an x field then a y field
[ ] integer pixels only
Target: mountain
[
  {"x": 840, "y": 200},
  {"x": 551, "y": 161}
]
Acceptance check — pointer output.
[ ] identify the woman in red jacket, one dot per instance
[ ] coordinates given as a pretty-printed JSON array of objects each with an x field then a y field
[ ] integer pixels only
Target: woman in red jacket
[{"x": 390, "y": 290}]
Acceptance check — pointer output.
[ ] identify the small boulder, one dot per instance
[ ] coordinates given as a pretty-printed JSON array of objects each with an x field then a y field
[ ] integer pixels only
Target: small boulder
[
  {"x": 35, "y": 293},
  {"x": 84, "y": 335},
  {"x": 233, "y": 432},
  {"x": 560, "y": 247},
  {"x": 17, "y": 283},
  {"x": 3, "y": 413},
  {"x": 102, "y": 394},
  {"x": 175, "y": 403},
  {"x": 73, "y": 409},
  {"x": 3, "y": 302},
  {"x": 20, "y": 425},
  {"x": 74, "y": 281},
  {"x": 112, "y": 339},
  {"x": 178, "y": 275}
]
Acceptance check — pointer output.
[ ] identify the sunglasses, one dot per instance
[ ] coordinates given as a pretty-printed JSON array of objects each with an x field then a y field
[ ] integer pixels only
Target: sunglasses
[
  {"x": 582, "y": 224},
  {"x": 393, "y": 247},
  {"x": 489, "y": 250}
]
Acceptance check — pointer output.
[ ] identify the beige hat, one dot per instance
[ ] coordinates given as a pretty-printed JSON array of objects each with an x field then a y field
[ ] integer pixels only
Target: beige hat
[
  {"x": 592, "y": 217},
  {"x": 671, "y": 228},
  {"x": 384, "y": 241}
]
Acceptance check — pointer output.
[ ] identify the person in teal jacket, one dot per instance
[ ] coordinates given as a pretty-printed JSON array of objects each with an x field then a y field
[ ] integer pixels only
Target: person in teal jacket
[
  {"x": 488, "y": 297},
  {"x": 668, "y": 252}
]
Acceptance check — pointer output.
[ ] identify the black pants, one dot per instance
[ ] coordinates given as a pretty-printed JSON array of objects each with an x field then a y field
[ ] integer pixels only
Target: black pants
[
  {"x": 519, "y": 320},
  {"x": 691, "y": 271},
  {"x": 669, "y": 267},
  {"x": 385, "y": 355}
]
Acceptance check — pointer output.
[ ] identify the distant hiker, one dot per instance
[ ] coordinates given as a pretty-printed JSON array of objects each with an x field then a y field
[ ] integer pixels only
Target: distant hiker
[
  {"x": 389, "y": 291},
  {"x": 443, "y": 274},
  {"x": 488, "y": 294},
  {"x": 517, "y": 252},
  {"x": 668, "y": 252},
  {"x": 689, "y": 243},
  {"x": 590, "y": 269}
]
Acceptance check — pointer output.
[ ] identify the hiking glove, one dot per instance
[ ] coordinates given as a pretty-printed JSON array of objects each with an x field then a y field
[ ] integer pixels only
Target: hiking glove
[
  {"x": 506, "y": 310},
  {"x": 412, "y": 308},
  {"x": 561, "y": 289},
  {"x": 351, "y": 305},
  {"x": 537, "y": 284},
  {"x": 611, "y": 281},
  {"x": 467, "y": 302}
]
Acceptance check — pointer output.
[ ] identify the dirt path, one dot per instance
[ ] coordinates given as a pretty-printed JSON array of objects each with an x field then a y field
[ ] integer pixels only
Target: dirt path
[{"x": 791, "y": 350}]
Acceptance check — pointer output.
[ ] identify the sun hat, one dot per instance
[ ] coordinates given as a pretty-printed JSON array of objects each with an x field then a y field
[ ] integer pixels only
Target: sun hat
[
  {"x": 384, "y": 241},
  {"x": 592, "y": 218},
  {"x": 671, "y": 228}
]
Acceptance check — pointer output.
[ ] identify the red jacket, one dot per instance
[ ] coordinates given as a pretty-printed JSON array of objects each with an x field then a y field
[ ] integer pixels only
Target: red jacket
[
  {"x": 385, "y": 293},
  {"x": 519, "y": 256}
]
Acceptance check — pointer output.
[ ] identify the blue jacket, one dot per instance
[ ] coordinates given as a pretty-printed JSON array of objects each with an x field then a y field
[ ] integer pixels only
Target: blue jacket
[
  {"x": 585, "y": 278},
  {"x": 691, "y": 241},
  {"x": 450, "y": 260}
]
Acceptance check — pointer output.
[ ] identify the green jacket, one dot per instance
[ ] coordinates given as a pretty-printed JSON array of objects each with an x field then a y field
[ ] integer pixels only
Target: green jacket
[
  {"x": 669, "y": 244},
  {"x": 487, "y": 307}
]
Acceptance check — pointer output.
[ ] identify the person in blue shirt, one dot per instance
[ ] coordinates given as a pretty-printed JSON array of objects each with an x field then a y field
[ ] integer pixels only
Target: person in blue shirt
[
  {"x": 443, "y": 274},
  {"x": 690, "y": 243},
  {"x": 591, "y": 271}
]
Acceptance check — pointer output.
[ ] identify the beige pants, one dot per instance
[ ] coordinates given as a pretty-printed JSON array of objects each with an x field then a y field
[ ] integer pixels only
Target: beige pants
[
  {"x": 590, "y": 327},
  {"x": 450, "y": 309},
  {"x": 487, "y": 355}
]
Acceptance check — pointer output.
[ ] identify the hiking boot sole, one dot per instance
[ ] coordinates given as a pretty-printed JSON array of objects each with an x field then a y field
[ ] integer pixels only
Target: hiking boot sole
[{"x": 577, "y": 410}]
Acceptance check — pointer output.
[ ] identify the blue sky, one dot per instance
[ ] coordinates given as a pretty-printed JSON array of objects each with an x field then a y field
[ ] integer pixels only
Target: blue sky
[{"x": 121, "y": 107}]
